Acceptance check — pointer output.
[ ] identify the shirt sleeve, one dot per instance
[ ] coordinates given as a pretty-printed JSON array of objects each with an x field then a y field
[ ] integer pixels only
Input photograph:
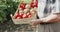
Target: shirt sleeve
[
  {"x": 41, "y": 6},
  {"x": 56, "y": 7}
]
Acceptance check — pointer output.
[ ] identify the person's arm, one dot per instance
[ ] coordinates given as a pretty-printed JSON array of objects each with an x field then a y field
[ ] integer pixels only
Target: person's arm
[
  {"x": 55, "y": 16},
  {"x": 51, "y": 18}
]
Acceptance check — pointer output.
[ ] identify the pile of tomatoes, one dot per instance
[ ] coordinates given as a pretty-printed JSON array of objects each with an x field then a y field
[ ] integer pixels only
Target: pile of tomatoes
[{"x": 25, "y": 10}]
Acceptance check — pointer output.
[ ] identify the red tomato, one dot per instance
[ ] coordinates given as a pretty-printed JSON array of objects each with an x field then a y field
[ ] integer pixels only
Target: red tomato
[
  {"x": 29, "y": 14},
  {"x": 22, "y": 6},
  {"x": 25, "y": 16},
  {"x": 34, "y": 4},
  {"x": 18, "y": 16},
  {"x": 21, "y": 16}
]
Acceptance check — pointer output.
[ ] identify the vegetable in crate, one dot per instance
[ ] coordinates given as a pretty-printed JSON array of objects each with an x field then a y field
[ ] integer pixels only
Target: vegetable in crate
[
  {"x": 22, "y": 5},
  {"x": 19, "y": 15},
  {"x": 34, "y": 4}
]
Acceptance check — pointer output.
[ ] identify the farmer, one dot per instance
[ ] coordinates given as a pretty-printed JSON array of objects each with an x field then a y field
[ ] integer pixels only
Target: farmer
[{"x": 49, "y": 16}]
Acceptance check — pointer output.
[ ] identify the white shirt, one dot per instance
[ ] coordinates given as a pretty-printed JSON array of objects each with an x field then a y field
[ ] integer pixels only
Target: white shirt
[
  {"x": 52, "y": 27},
  {"x": 41, "y": 7}
]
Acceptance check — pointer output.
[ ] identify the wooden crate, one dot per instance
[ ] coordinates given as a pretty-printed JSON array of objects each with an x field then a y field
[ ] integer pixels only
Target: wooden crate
[
  {"x": 23, "y": 21},
  {"x": 26, "y": 20}
]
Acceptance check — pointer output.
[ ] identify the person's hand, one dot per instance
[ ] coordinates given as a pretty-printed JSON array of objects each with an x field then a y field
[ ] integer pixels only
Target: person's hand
[{"x": 35, "y": 22}]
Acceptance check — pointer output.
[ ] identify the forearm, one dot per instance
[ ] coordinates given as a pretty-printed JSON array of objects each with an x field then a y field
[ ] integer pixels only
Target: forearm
[{"x": 51, "y": 19}]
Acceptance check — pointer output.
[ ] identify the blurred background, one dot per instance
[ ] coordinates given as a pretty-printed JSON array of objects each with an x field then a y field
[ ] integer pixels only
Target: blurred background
[{"x": 8, "y": 7}]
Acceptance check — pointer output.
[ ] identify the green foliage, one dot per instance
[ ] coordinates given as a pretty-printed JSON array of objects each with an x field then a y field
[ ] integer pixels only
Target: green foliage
[{"x": 6, "y": 7}]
